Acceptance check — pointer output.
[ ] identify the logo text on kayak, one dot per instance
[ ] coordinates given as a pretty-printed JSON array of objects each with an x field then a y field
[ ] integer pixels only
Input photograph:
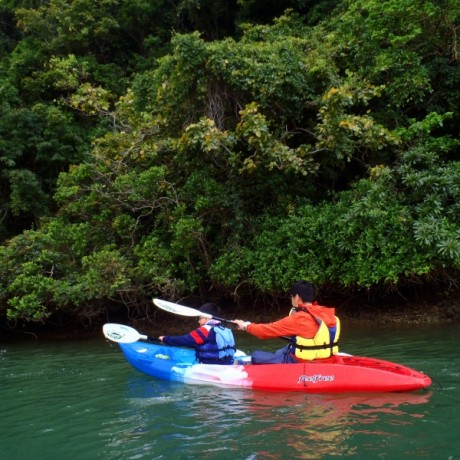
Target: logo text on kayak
[{"x": 315, "y": 378}]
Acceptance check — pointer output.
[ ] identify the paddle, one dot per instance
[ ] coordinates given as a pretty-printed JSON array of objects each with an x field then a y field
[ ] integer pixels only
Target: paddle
[
  {"x": 188, "y": 311},
  {"x": 123, "y": 334}
]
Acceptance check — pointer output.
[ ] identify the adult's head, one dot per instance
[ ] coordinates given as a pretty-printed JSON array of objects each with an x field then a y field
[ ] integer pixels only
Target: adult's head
[{"x": 305, "y": 290}]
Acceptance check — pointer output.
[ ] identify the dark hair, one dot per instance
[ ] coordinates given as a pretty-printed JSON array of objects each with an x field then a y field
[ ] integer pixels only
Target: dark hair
[
  {"x": 210, "y": 308},
  {"x": 305, "y": 290}
]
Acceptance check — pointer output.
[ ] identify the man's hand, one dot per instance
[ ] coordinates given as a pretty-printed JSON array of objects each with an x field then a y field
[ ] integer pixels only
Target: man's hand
[{"x": 242, "y": 325}]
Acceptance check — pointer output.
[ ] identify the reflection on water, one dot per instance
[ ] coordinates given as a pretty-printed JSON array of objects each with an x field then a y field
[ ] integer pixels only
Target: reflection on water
[
  {"x": 81, "y": 400},
  {"x": 188, "y": 421}
]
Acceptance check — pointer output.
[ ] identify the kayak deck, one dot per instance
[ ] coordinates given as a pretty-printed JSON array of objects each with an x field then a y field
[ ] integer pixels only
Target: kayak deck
[{"x": 340, "y": 373}]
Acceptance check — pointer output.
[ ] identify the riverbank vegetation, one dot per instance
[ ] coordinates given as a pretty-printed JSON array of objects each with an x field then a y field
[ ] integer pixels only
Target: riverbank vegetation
[{"x": 223, "y": 150}]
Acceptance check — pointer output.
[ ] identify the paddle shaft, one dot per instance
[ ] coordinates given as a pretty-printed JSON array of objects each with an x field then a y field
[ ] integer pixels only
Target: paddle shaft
[
  {"x": 222, "y": 320},
  {"x": 284, "y": 337},
  {"x": 182, "y": 310}
]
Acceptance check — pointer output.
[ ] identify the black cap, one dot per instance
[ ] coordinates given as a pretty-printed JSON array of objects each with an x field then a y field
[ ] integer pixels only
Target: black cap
[
  {"x": 305, "y": 290},
  {"x": 210, "y": 308}
]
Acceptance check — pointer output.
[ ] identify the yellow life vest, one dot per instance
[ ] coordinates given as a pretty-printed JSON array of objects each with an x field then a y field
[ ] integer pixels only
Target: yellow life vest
[{"x": 323, "y": 345}]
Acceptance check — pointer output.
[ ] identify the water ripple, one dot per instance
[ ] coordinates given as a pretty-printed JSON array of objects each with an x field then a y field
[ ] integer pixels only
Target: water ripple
[{"x": 83, "y": 398}]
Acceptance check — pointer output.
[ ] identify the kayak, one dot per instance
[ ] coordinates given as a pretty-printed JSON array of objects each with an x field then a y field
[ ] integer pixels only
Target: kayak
[
  {"x": 337, "y": 374},
  {"x": 340, "y": 373}
]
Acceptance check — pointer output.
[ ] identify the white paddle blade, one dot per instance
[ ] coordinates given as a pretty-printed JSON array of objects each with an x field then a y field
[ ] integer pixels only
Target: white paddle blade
[
  {"x": 179, "y": 309},
  {"x": 121, "y": 334}
]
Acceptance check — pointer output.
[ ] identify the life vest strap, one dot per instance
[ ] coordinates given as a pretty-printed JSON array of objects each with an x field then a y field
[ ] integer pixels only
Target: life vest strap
[
  {"x": 228, "y": 347},
  {"x": 316, "y": 347}
]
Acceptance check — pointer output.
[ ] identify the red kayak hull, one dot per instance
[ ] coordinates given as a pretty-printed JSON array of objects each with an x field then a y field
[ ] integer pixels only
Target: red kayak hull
[
  {"x": 336, "y": 375},
  {"x": 342, "y": 373}
]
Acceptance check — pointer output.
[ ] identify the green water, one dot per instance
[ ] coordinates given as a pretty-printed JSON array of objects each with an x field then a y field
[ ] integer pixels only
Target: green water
[{"x": 81, "y": 400}]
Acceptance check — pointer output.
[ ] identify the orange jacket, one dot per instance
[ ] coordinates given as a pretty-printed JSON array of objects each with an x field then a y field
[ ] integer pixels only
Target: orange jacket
[{"x": 301, "y": 323}]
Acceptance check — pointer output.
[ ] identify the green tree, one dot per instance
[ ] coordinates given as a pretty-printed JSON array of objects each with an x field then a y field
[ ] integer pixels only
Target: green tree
[
  {"x": 241, "y": 164},
  {"x": 409, "y": 47}
]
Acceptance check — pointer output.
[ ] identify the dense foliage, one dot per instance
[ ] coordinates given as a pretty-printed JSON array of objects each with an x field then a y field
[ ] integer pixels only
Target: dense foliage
[{"x": 241, "y": 153}]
